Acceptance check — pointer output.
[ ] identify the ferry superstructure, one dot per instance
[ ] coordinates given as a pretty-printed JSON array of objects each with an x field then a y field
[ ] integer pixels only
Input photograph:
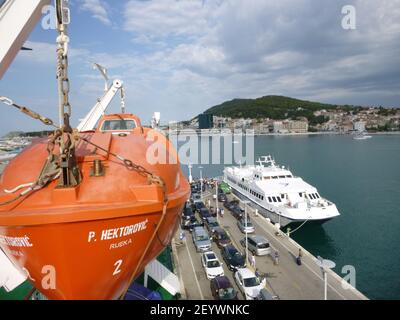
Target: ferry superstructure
[{"x": 278, "y": 194}]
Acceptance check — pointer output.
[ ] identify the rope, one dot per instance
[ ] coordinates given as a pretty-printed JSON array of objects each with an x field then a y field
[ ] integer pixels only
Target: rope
[
  {"x": 19, "y": 187},
  {"x": 33, "y": 186},
  {"x": 298, "y": 227},
  {"x": 133, "y": 276},
  {"x": 4, "y": 203}
]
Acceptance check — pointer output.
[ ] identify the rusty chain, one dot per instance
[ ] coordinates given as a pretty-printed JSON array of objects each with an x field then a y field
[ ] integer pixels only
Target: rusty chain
[{"x": 152, "y": 178}]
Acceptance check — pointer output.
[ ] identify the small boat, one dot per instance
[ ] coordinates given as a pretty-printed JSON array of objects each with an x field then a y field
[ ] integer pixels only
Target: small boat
[{"x": 362, "y": 136}]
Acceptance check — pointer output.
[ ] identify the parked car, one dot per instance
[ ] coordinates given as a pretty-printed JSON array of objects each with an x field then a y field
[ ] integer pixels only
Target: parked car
[
  {"x": 212, "y": 266},
  {"x": 266, "y": 295},
  {"x": 245, "y": 226},
  {"x": 204, "y": 213},
  {"x": 211, "y": 224},
  {"x": 191, "y": 223},
  {"x": 198, "y": 205},
  {"x": 237, "y": 212},
  {"x": 258, "y": 245},
  {"x": 187, "y": 213},
  {"x": 201, "y": 239},
  {"x": 222, "y": 289},
  {"x": 249, "y": 284},
  {"x": 222, "y": 197},
  {"x": 233, "y": 258},
  {"x": 221, "y": 238},
  {"x": 231, "y": 204},
  {"x": 195, "y": 197},
  {"x": 225, "y": 187}
]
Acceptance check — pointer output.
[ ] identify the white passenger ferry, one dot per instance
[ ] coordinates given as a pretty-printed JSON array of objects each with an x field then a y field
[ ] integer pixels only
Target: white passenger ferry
[{"x": 279, "y": 195}]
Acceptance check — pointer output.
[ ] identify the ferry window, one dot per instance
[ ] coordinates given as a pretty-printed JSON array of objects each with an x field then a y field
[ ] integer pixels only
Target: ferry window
[
  {"x": 273, "y": 198},
  {"x": 279, "y": 199},
  {"x": 317, "y": 195},
  {"x": 311, "y": 196},
  {"x": 300, "y": 194},
  {"x": 120, "y": 124},
  {"x": 288, "y": 176},
  {"x": 262, "y": 197},
  {"x": 274, "y": 177},
  {"x": 282, "y": 196},
  {"x": 282, "y": 177},
  {"x": 269, "y": 199},
  {"x": 267, "y": 178}
]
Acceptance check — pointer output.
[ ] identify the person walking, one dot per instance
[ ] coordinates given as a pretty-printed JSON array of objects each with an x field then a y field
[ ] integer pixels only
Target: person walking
[
  {"x": 222, "y": 212},
  {"x": 276, "y": 256},
  {"x": 182, "y": 237},
  {"x": 253, "y": 260}
]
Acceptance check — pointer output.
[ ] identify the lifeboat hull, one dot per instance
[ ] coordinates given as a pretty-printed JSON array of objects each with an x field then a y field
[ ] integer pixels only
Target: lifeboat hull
[
  {"x": 88, "y": 260},
  {"x": 90, "y": 241}
]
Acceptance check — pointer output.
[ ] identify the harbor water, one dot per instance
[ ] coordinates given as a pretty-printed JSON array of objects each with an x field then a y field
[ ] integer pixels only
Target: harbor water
[{"x": 362, "y": 177}]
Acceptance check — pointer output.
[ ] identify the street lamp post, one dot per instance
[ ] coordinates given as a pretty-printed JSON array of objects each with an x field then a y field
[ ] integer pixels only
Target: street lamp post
[
  {"x": 325, "y": 264},
  {"x": 201, "y": 183},
  {"x": 245, "y": 219},
  {"x": 216, "y": 198}
]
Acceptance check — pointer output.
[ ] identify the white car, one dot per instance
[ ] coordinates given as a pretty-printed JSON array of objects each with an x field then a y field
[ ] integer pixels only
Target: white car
[
  {"x": 211, "y": 265},
  {"x": 248, "y": 283}
]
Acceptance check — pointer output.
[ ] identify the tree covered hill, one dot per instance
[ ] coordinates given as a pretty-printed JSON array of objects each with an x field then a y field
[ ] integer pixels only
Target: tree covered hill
[{"x": 274, "y": 107}]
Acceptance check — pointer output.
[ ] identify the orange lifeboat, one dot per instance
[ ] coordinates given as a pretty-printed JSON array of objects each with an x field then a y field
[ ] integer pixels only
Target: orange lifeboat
[{"x": 90, "y": 240}]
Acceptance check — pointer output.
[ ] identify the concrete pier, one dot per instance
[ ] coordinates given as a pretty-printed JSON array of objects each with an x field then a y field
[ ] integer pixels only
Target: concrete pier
[{"x": 286, "y": 280}]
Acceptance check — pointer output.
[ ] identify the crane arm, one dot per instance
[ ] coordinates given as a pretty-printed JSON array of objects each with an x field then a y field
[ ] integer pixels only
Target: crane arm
[
  {"x": 91, "y": 119},
  {"x": 17, "y": 19}
]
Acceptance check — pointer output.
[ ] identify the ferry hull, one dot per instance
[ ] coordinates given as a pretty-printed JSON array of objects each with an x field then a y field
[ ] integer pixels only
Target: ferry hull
[{"x": 276, "y": 218}]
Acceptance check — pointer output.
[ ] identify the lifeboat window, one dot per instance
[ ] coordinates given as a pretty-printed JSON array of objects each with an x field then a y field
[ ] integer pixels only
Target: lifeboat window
[{"x": 120, "y": 124}]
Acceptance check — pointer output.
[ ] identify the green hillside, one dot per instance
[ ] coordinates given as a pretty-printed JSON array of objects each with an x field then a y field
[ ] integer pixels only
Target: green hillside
[{"x": 274, "y": 107}]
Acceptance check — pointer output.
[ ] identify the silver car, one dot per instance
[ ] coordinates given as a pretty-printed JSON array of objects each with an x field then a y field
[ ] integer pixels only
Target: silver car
[
  {"x": 245, "y": 226},
  {"x": 257, "y": 244},
  {"x": 201, "y": 239}
]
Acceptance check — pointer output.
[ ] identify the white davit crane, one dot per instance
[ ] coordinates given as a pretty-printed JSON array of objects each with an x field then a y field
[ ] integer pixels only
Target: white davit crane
[
  {"x": 90, "y": 121},
  {"x": 17, "y": 19}
]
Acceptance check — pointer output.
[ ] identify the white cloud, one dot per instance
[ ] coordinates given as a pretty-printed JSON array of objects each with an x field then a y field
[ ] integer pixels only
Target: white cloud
[
  {"x": 163, "y": 18},
  {"x": 98, "y": 9}
]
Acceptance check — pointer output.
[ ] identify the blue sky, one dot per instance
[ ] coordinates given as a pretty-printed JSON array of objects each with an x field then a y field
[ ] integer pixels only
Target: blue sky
[{"x": 182, "y": 57}]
